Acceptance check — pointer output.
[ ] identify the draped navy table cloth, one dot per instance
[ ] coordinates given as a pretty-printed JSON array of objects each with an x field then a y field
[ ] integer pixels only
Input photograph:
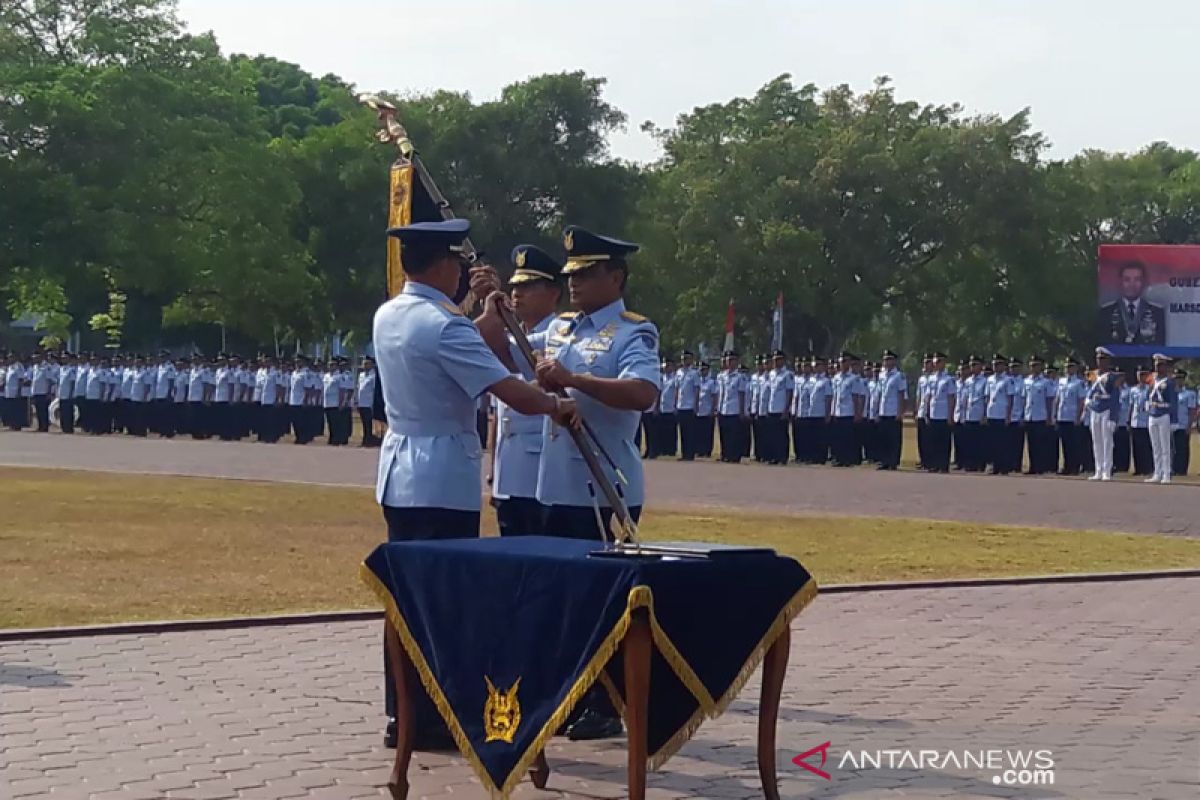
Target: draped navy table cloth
[{"x": 507, "y": 635}]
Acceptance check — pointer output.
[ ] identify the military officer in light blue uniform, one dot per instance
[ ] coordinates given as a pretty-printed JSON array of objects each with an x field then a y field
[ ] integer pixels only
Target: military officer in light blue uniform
[
  {"x": 1139, "y": 423},
  {"x": 433, "y": 366},
  {"x": 687, "y": 400},
  {"x": 536, "y": 292},
  {"x": 733, "y": 407},
  {"x": 606, "y": 357},
  {"x": 1069, "y": 413},
  {"x": 891, "y": 397},
  {"x": 1185, "y": 420}
]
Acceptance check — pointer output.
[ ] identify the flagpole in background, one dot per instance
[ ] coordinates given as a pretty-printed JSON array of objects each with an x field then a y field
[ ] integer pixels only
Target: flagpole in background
[
  {"x": 777, "y": 324},
  {"x": 729, "y": 326}
]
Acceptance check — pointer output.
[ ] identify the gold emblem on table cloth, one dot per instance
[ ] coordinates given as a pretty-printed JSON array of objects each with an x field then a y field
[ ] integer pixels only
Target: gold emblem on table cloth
[{"x": 501, "y": 713}]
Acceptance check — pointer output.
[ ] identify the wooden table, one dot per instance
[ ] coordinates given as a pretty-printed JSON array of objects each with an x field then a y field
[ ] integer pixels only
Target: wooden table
[{"x": 636, "y": 648}]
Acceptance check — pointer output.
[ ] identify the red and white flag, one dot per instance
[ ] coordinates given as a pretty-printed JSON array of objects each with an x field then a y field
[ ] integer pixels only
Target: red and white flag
[{"x": 729, "y": 326}]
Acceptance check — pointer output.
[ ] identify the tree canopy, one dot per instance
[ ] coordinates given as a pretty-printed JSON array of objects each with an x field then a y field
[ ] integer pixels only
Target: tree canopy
[{"x": 155, "y": 188}]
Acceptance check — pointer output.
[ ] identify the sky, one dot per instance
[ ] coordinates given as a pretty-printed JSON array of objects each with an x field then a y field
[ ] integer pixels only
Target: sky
[{"x": 1098, "y": 74}]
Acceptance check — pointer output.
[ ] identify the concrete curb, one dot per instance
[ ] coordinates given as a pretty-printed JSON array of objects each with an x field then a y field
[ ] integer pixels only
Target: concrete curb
[{"x": 324, "y": 617}]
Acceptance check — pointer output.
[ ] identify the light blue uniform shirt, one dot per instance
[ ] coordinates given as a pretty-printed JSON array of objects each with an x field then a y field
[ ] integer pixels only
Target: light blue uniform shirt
[
  {"x": 687, "y": 383},
  {"x": 820, "y": 394},
  {"x": 974, "y": 395},
  {"x": 1139, "y": 406},
  {"x": 871, "y": 409},
  {"x": 923, "y": 396},
  {"x": 668, "y": 395},
  {"x": 608, "y": 343},
  {"x": 731, "y": 387},
  {"x": 1124, "y": 408},
  {"x": 942, "y": 387},
  {"x": 846, "y": 386},
  {"x": 893, "y": 391},
  {"x": 1000, "y": 391},
  {"x": 433, "y": 366},
  {"x": 802, "y": 396},
  {"x": 1187, "y": 401},
  {"x": 779, "y": 383},
  {"x": 1070, "y": 392},
  {"x": 518, "y": 442},
  {"x": 1037, "y": 390},
  {"x": 709, "y": 392},
  {"x": 1018, "y": 398}
]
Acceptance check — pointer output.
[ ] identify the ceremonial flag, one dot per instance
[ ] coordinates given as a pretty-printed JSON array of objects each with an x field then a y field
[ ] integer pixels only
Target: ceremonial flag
[
  {"x": 408, "y": 202},
  {"x": 729, "y": 326},
  {"x": 777, "y": 324}
]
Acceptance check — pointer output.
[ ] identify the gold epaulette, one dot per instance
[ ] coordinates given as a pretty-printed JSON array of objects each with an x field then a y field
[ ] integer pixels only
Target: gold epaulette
[
  {"x": 453, "y": 309},
  {"x": 630, "y": 316},
  {"x": 568, "y": 315}
]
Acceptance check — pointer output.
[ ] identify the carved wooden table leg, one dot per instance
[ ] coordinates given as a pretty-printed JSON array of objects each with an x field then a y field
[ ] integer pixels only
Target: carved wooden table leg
[
  {"x": 539, "y": 773},
  {"x": 405, "y": 678},
  {"x": 636, "y": 648},
  {"x": 773, "y": 670}
]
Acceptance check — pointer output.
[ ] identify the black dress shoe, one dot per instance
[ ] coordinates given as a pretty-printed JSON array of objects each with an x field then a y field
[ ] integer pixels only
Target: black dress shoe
[
  {"x": 593, "y": 726},
  {"x": 389, "y": 734}
]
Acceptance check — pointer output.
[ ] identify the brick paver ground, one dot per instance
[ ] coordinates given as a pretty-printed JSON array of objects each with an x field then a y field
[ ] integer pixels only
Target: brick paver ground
[
  {"x": 1102, "y": 675},
  {"x": 1052, "y": 502}
]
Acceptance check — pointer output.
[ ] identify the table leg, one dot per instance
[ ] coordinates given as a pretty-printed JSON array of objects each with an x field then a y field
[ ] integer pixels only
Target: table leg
[
  {"x": 774, "y": 668},
  {"x": 404, "y": 676},
  {"x": 637, "y": 646},
  {"x": 539, "y": 773}
]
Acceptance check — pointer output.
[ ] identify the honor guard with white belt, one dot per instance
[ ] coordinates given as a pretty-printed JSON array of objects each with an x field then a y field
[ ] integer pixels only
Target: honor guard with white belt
[
  {"x": 535, "y": 292},
  {"x": 1164, "y": 407}
]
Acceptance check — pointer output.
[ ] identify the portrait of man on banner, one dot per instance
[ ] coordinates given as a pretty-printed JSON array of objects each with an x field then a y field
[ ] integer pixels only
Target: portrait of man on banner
[{"x": 1132, "y": 319}]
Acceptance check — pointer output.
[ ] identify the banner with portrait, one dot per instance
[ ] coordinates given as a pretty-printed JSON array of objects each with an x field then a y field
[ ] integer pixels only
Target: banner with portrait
[{"x": 1149, "y": 300}]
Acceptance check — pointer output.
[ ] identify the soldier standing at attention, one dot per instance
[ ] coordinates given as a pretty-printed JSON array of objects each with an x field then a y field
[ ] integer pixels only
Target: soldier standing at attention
[
  {"x": 1164, "y": 406},
  {"x": 943, "y": 393},
  {"x": 1103, "y": 407},
  {"x": 1000, "y": 392},
  {"x": 892, "y": 391},
  {"x": 688, "y": 391},
  {"x": 433, "y": 367},
  {"x": 1139, "y": 423},
  {"x": 68, "y": 371},
  {"x": 1016, "y": 426},
  {"x": 667, "y": 435},
  {"x": 849, "y": 402},
  {"x": 1070, "y": 397},
  {"x": 366, "y": 401},
  {"x": 922, "y": 408},
  {"x": 820, "y": 410},
  {"x": 780, "y": 392},
  {"x": 1038, "y": 416},
  {"x": 1121, "y": 448},
  {"x": 706, "y": 405},
  {"x": 731, "y": 407},
  {"x": 536, "y": 292},
  {"x": 1185, "y": 420}
]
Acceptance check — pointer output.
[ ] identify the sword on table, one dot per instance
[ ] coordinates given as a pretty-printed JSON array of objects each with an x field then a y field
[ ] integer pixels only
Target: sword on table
[{"x": 584, "y": 437}]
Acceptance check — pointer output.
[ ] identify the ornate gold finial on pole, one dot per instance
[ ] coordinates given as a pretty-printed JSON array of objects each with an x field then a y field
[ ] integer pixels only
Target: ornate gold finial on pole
[{"x": 390, "y": 129}]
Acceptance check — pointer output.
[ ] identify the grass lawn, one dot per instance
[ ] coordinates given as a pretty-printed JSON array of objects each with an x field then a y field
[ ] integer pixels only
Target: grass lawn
[{"x": 83, "y": 547}]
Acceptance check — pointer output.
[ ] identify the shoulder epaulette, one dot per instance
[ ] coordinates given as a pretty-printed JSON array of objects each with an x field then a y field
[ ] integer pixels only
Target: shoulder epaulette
[
  {"x": 453, "y": 309},
  {"x": 630, "y": 316},
  {"x": 568, "y": 315}
]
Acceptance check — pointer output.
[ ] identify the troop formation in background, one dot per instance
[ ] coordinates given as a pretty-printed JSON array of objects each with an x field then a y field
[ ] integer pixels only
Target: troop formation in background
[
  {"x": 996, "y": 415},
  {"x": 203, "y": 397}
]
